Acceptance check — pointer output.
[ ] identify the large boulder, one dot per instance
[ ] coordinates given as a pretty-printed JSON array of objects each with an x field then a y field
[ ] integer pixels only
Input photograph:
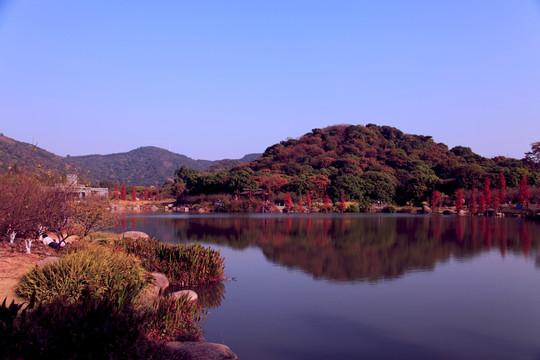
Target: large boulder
[
  {"x": 191, "y": 350},
  {"x": 135, "y": 235}
]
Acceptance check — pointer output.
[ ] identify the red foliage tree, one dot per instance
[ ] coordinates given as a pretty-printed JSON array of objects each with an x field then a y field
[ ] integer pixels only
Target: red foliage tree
[
  {"x": 123, "y": 193},
  {"x": 288, "y": 202},
  {"x": 501, "y": 186},
  {"x": 300, "y": 204},
  {"x": 482, "y": 203},
  {"x": 472, "y": 201},
  {"x": 326, "y": 202},
  {"x": 308, "y": 201},
  {"x": 524, "y": 192},
  {"x": 145, "y": 194},
  {"x": 435, "y": 200},
  {"x": 133, "y": 194},
  {"x": 459, "y": 200},
  {"x": 486, "y": 191},
  {"x": 495, "y": 202},
  {"x": 342, "y": 202}
]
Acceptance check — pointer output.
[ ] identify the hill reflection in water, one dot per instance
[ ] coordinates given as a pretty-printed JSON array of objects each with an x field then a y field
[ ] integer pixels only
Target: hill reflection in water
[{"x": 349, "y": 248}]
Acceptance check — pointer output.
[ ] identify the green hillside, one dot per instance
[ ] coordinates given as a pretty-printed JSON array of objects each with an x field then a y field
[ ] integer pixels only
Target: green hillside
[
  {"x": 143, "y": 166},
  {"x": 367, "y": 163}
]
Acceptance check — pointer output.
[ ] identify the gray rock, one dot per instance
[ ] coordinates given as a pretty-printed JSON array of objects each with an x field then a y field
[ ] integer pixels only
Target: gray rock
[
  {"x": 135, "y": 235},
  {"x": 191, "y": 350},
  {"x": 47, "y": 261},
  {"x": 191, "y": 295}
]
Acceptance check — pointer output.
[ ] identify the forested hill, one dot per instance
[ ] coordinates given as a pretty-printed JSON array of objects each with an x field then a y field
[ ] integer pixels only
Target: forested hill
[
  {"x": 143, "y": 166},
  {"x": 146, "y": 165},
  {"x": 27, "y": 156},
  {"x": 365, "y": 163},
  {"x": 412, "y": 164}
]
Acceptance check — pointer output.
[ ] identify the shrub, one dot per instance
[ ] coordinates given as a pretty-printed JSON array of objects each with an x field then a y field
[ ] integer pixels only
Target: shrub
[
  {"x": 185, "y": 265},
  {"x": 92, "y": 267},
  {"x": 391, "y": 209},
  {"x": 353, "y": 208}
]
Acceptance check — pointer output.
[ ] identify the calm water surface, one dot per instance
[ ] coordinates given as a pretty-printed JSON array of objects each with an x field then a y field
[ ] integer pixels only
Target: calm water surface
[{"x": 367, "y": 286}]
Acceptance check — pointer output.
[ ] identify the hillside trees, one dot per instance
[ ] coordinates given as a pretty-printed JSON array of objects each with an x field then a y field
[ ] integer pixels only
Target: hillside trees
[
  {"x": 532, "y": 158},
  {"x": 368, "y": 163}
]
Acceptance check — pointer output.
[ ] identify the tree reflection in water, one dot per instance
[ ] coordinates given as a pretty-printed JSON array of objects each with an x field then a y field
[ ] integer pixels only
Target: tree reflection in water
[{"x": 354, "y": 248}]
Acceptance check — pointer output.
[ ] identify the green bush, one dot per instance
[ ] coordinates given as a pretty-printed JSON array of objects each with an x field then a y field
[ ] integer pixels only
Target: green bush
[
  {"x": 184, "y": 265},
  {"x": 92, "y": 267},
  {"x": 391, "y": 209},
  {"x": 353, "y": 208}
]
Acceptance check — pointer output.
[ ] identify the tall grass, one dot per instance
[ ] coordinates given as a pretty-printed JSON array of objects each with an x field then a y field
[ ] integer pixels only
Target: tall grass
[
  {"x": 184, "y": 265},
  {"x": 92, "y": 267},
  {"x": 176, "y": 319}
]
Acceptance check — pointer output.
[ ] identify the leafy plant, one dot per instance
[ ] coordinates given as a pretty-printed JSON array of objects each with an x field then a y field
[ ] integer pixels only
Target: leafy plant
[{"x": 182, "y": 264}]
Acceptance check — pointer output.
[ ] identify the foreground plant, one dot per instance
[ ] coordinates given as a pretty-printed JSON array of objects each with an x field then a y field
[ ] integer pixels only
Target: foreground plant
[
  {"x": 87, "y": 267},
  {"x": 184, "y": 265}
]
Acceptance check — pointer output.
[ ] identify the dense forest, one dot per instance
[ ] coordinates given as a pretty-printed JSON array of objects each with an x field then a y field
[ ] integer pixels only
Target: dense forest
[{"x": 365, "y": 164}]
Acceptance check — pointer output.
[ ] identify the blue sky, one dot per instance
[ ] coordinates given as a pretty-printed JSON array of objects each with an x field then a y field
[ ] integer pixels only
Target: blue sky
[{"x": 219, "y": 79}]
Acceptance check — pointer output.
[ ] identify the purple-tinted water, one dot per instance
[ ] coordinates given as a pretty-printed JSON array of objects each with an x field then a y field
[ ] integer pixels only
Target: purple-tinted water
[{"x": 368, "y": 286}]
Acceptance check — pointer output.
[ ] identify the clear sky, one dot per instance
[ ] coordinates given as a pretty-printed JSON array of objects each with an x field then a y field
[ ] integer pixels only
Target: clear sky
[{"x": 219, "y": 79}]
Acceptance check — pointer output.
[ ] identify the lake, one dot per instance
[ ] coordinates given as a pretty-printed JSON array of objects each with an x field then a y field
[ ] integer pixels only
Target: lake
[{"x": 367, "y": 286}]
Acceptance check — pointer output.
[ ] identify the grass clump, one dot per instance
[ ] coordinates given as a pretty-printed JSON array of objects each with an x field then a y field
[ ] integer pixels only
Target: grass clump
[
  {"x": 185, "y": 265},
  {"x": 176, "y": 319},
  {"x": 92, "y": 267}
]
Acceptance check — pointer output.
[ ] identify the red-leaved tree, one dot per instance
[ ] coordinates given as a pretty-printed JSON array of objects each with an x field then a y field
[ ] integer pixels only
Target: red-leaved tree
[
  {"x": 482, "y": 203},
  {"x": 524, "y": 192},
  {"x": 486, "y": 191},
  {"x": 133, "y": 194},
  {"x": 459, "y": 200},
  {"x": 123, "y": 193},
  {"x": 300, "y": 204},
  {"x": 308, "y": 201},
  {"x": 326, "y": 202},
  {"x": 501, "y": 186},
  {"x": 288, "y": 202}
]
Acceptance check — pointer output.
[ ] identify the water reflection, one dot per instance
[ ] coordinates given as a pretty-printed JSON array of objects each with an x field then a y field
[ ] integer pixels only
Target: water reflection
[{"x": 350, "y": 248}]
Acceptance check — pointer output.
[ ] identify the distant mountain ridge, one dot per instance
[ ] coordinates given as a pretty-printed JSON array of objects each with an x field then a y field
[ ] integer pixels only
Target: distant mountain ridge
[{"x": 146, "y": 165}]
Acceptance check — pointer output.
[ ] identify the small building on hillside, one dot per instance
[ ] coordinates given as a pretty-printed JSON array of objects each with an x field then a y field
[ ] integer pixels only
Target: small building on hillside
[{"x": 83, "y": 191}]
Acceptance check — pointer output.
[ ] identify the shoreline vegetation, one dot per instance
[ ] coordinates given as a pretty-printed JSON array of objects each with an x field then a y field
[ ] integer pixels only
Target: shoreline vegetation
[
  {"x": 96, "y": 300},
  {"x": 215, "y": 205}
]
